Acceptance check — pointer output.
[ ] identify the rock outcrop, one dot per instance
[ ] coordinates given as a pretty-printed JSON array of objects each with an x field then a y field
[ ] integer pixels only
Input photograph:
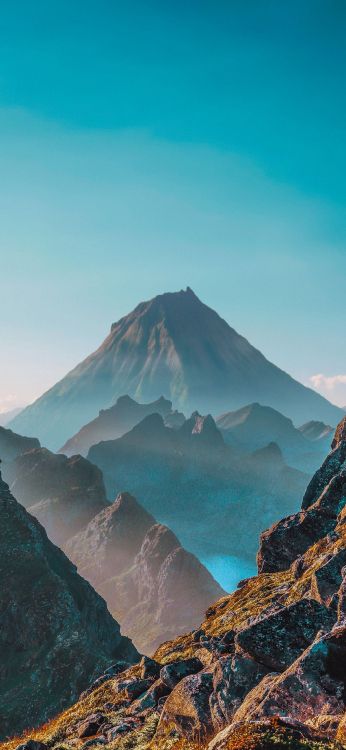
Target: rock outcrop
[
  {"x": 268, "y": 662},
  {"x": 154, "y": 587},
  {"x": 56, "y": 633}
]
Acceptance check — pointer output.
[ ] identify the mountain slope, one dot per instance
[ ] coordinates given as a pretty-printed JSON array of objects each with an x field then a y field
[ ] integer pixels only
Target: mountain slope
[
  {"x": 254, "y": 426},
  {"x": 62, "y": 493},
  {"x": 215, "y": 501},
  {"x": 7, "y": 416},
  {"x": 177, "y": 346},
  {"x": 113, "y": 423},
  {"x": 266, "y": 668},
  {"x": 13, "y": 445},
  {"x": 151, "y": 584},
  {"x": 56, "y": 632}
]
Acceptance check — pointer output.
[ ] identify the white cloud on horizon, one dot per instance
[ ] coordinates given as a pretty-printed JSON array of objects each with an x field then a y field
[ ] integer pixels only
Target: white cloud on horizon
[
  {"x": 332, "y": 387},
  {"x": 9, "y": 402}
]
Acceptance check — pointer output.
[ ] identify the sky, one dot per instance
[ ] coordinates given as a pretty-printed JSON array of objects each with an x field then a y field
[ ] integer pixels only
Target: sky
[{"x": 147, "y": 146}]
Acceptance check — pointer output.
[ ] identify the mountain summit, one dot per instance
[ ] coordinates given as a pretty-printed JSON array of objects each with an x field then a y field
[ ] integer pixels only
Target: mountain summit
[{"x": 179, "y": 347}]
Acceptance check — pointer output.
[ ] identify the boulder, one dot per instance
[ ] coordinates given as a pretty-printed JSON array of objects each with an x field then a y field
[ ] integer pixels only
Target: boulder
[
  {"x": 187, "y": 707},
  {"x": 149, "y": 668},
  {"x": 91, "y": 725},
  {"x": 172, "y": 673},
  {"x": 232, "y": 679},
  {"x": 278, "y": 639},
  {"x": 327, "y": 578},
  {"x": 313, "y": 685},
  {"x": 151, "y": 698}
]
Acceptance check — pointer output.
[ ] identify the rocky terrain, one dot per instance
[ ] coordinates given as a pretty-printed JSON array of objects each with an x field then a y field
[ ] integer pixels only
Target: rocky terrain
[
  {"x": 151, "y": 584},
  {"x": 114, "y": 422},
  {"x": 265, "y": 669},
  {"x": 216, "y": 501},
  {"x": 56, "y": 633},
  {"x": 177, "y": 346}
]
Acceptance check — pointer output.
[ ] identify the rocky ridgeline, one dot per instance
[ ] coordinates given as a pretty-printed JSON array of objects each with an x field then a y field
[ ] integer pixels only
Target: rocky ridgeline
[
  {"x": 267, "y": 667},
  {"x": 56, "y": 633},
  {"x": 152, "y": 585}
]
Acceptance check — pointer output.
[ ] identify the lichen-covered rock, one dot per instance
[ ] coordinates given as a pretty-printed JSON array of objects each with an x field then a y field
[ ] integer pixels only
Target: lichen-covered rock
[
  {"x": 172, "y": 673},
  {"x": 233, "y": 678},
  {"x": 312, "y": 685},
  {"x": 90, "y": 725},
  {"x": 277, "y": 639},
  {"x": 290, "y": 538},
  {"x": 187, "y": 708}
]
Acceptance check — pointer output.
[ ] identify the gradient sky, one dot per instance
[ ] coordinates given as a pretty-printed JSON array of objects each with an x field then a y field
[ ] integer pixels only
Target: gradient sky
[{"x": 147, "y": 146}]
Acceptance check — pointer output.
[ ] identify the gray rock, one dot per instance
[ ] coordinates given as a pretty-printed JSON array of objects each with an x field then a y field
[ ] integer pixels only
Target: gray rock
[{"x": 172, "y": 673}]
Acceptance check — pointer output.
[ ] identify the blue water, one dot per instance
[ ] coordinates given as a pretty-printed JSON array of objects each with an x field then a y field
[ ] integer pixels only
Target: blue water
[{"x": 228, "y": 570}]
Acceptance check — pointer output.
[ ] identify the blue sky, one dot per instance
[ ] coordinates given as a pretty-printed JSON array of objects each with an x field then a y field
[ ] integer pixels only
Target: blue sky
[{"x": 149, "y": 146}]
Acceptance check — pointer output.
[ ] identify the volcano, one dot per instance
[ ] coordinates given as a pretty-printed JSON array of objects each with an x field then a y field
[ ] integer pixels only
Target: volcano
[{"x": 179, "y": 347}]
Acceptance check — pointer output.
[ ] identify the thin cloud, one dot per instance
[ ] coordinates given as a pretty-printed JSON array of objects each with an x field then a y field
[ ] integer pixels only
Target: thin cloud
[
  {"x": 8, "y": 402},
  {"x": 331, "y": 386}
]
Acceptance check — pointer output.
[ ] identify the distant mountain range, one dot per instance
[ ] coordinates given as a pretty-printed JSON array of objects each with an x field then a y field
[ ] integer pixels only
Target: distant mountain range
[
  {"x": 254, "y": 426},
  {"x": 216, "y": 499},
  {"x": 176, "y": 346},
  {"x": 114, "y": 422}
]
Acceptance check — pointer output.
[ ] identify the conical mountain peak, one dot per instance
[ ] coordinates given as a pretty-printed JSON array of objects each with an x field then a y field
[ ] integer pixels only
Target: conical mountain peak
[{"x": 175, "y": 345}]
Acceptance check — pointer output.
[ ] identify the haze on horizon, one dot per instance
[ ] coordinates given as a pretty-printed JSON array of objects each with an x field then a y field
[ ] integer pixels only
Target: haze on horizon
[{"x": 144, "y": 149}]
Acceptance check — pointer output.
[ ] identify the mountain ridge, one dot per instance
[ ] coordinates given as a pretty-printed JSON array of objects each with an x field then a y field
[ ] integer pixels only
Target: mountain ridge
[
  {"x": 177, "y": 346},
  {"x": 266, "y": 667},
  {"x": 56, "y": 632}
]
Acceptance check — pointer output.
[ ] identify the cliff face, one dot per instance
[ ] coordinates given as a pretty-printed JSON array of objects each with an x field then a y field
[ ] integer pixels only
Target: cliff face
[
  {"x": 176, "y": 346},
  {"x": 267, "y": 666},
  {"x": 153, "y": 586},
  {"x": 56, "y": 633}
]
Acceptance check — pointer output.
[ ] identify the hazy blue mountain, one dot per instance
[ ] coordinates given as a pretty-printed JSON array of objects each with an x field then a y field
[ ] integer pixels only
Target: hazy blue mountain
[
  {"x": 213, "y": 499},
  {"x": 114, "y": 422},
  {"x": 176, "y": 346},
  {"x": 254, "y": 426},
  {"x": 7, "y": 416}
]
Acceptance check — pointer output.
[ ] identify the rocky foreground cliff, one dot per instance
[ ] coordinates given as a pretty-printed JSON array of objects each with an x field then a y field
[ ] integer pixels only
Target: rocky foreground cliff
[
  {"x": 56, "y": 634},
  {"x": 266, "y": 668}
]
